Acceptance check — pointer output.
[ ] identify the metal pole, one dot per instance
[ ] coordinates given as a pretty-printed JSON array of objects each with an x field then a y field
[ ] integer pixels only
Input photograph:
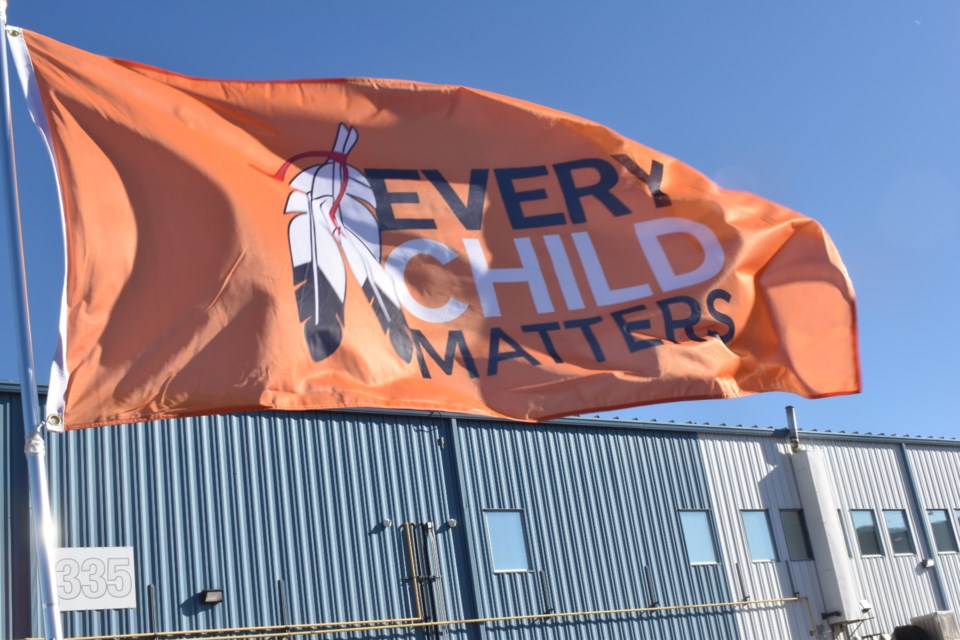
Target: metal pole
[{"x": 35, "y": 449}]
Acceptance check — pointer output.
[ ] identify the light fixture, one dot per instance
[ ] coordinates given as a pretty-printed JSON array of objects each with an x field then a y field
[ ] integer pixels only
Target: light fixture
[{"x": 211, "y": 596}]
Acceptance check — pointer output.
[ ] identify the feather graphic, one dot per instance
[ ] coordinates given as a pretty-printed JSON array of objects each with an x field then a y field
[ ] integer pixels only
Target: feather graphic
[{"x": 339, "y": 205}]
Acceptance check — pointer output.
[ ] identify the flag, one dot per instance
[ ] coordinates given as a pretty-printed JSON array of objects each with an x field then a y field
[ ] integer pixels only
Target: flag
[{"x": 237, "y": 245}]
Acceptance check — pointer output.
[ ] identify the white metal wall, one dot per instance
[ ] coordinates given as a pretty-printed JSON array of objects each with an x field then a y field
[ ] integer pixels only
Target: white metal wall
[
  {"x": 871, "y": 476},
  {"x": 753, "y": 473},
  {"x": 937, "y": 473}
]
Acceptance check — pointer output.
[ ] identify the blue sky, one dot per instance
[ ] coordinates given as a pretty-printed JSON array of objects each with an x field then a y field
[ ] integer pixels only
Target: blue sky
[{"x": 846, "y": 112}]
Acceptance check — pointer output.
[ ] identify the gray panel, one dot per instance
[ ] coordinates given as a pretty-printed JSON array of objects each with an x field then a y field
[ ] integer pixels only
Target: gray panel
[{"x": 601, "y": 514}]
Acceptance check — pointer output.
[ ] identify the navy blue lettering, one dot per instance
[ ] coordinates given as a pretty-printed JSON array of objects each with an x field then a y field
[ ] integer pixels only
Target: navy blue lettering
[
  {"x": 573, "y": 195},
  {"x": 722, "y": 318},
  {"x": 498, "y": 335},
  {"x": 471, "y": 213},
  {"x": 513, "y": 200},
  {"x": 386, "y": 199},
  {"x": 627, "y": 327},
  {"x": 544, "y": 330},
  {"x": 584, "y": 325},
  {"x": 455, "y": 339},
  {"x": 653, "y": 180},
  {"x": 687, "y": 323}
]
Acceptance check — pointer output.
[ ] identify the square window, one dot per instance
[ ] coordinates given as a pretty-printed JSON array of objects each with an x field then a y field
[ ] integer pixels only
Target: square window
[
  {"x": 795, "y": 531},
  {"x": 901, "y": 540},
  {"x": 942, "y": 530},
  {"x": 868, "y": 536},
  {"x": 507, "y": 540},
  {"x": 756, "y": 524},
  {"x": 698, "y": 537}
]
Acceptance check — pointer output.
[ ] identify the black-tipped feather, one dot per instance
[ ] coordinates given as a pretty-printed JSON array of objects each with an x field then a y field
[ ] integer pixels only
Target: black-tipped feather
[{"x": 325, "y": 332}]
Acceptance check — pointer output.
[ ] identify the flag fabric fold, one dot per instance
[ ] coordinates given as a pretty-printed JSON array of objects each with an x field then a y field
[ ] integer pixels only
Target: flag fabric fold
[{"x": 238, "y": 245}]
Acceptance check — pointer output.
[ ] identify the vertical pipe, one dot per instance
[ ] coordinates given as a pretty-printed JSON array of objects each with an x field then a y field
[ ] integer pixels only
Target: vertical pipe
[
  {"x": 35, "y": 448},
  {"x": 547, "y": 600},
  {"x": 651, "y": 587},
  {"x": 152, "y": 606},
  {"x": 793, "y": 585},
  {"x": 414, "y": 575},
  {"x": 744, "y": 596},
  {"x": 282, "y": 601},
  {"x": 930, "y": 549},
  {"x": 793, "y": 430}
]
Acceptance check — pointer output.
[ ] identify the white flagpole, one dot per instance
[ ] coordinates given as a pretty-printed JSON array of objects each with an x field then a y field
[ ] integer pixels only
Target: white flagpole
[{"x": 35, "y": 448}]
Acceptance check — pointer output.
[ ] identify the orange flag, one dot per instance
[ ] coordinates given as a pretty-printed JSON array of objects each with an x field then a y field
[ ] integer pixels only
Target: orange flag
[{"x": 238, "y": 245}]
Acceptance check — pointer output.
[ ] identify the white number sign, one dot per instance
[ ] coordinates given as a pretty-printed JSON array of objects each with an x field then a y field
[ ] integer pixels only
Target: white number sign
[{"x": 95, "y": 578}]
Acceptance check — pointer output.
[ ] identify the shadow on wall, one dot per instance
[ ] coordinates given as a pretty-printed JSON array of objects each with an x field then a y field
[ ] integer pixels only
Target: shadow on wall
[{"x": 192, "y": 606}]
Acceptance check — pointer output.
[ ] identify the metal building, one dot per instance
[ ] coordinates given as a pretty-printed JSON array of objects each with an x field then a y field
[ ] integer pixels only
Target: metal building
[{"x": 408, "y": 525}]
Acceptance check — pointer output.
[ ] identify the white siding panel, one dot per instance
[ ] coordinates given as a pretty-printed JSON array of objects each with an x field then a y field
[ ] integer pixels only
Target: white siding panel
[
  {"x": 938, "y": 481},
  {"x": 748, "y": 473},
  {"x": 871, "y": 476}
]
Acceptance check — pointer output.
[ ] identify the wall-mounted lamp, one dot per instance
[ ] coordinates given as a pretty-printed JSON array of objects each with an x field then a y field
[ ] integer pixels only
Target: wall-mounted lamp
[
  {"x": 927, "y": 563},
  {"x": 386, "y": 523},
  {"x": 211, "y": 596}
]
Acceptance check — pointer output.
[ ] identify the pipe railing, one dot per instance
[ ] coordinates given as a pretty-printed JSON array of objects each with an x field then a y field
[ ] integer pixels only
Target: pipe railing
[{"x": 323, "y": 628}]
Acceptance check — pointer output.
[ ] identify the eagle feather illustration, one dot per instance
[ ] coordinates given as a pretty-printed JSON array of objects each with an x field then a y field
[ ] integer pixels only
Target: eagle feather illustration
[{"x": 339, "y": 226}]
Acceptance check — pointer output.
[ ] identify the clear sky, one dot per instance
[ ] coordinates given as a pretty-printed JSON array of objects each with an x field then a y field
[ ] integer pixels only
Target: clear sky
[{"x": 845, "y": 111}]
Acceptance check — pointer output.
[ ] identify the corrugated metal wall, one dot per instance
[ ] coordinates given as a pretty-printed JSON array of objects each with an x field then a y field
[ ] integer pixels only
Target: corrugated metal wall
[
  {"x": 242, "y": 502},
  {"x": 938, "y": 481},
  {"x": 601, "y": 513},
  {"x": 291, "y": 506},
  {"x": 760, "y": 479},
  {"x": 16, "y": 537},
  {"x": 871, "y": 476}
]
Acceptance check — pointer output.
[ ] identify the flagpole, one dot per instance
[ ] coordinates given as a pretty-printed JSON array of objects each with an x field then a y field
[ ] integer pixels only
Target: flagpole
[{"x": 35, "y": 448}]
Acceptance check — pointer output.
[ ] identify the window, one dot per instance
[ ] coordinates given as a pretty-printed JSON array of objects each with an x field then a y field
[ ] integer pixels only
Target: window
[
  {"x": 900, "y": 538},
  {"x": 698, "y": 537},
  {"x": 507, "y": 540},
  {"x": 942, "y": 531},
  {"x": 865, "y": 527},
  {"x": 795, "y": 531},
  {"x": 846, "y": 537},
  {"x": 756, "y": 524}
]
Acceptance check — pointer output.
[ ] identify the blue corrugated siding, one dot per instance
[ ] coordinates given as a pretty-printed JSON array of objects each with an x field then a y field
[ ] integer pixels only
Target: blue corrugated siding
[
  {"x": 601, "y": 514},
  {"x": 241, "y": 502},
  {"x": 16, "y": 572}
]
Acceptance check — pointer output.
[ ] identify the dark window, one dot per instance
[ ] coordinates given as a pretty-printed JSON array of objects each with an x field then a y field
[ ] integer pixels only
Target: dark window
[
  {"x": 942, "y": 530},
  {"x": 795, "y": 531},
  {"x": 868, "y": 536},
  {"x": 901, "y": 540}
]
